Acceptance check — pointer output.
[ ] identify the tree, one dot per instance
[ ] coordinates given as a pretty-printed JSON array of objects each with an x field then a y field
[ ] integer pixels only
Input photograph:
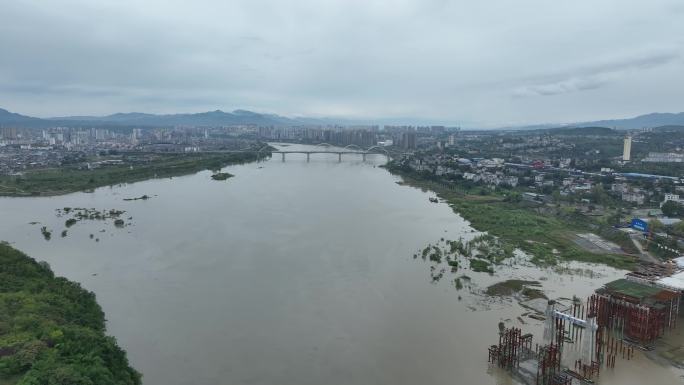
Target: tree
[
  {"x": 56, "y": 329},
  {"x": 655, "y": 225},
  {"x": 679, "y": 227},
  {"x": 599, "y": 195},
  {"x": 673, "y": 209},
  {"x": 513, "y": 197}
]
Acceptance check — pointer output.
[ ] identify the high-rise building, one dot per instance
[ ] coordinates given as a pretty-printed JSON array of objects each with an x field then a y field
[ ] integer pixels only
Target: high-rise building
[
  {"x": 8, "y": 133},
  {"x": 408, "y": 140},
  {"x": 101, "y": 134},
  {"x": 627, "y": 149}
]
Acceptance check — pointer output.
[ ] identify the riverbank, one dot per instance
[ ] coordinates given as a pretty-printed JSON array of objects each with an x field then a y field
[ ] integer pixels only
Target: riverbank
[
  {"x": 64, "y": 180},
  {"x": 547, "y": 238},
  {"x": 52, "y": 330}
]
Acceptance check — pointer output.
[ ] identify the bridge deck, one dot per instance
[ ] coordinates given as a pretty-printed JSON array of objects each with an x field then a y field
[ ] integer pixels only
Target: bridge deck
[{"x": 324, "y": 152}]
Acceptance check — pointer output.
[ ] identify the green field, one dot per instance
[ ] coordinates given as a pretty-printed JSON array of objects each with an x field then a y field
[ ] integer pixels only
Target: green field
[
  {"x": 65, "y": 180},
  {"x": 548, "y": 239}
]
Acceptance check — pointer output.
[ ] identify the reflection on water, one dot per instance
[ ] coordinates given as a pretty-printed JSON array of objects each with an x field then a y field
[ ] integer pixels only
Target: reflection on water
[{"x": 291, "y": 272}]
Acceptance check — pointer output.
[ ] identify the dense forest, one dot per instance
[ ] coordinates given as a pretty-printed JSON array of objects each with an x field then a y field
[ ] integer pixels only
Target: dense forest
[{"x": 52, "y": 331}]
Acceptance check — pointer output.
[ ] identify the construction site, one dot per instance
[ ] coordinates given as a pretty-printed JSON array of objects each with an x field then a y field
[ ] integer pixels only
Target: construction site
[{"x": 584, "y": 337}]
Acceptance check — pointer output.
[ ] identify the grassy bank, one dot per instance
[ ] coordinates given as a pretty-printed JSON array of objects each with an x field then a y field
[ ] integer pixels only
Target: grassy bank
[
  {"x": 52, "y": 331},
  {"x": 548, "y": 239},
  {"x": 65, "y": 180}
]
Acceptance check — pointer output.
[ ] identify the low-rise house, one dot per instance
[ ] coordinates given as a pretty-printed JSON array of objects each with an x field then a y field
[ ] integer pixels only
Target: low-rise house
[
  {"x": 619, "y": 188},
  {"x": 469, "y": 176},
  {"x": 581, "y": 187},
  {"x": 532, "y": 197},
  {"x": 634, "y": 197},
  {"x": 489, "y": 163},
  {"x": 510, "y": 180}
]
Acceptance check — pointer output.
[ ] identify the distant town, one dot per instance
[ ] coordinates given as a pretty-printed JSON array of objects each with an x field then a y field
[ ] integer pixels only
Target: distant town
[
  {"x": 620, "y": 179},
  {"x": 631, "y": 180}
]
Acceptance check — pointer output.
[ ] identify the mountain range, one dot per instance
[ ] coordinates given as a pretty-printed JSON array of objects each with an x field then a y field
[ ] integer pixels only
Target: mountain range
[
  {"x": 210, "y": 118},
  {"x": 244, "y": 117},
  {"x": 656, "y": 119}
]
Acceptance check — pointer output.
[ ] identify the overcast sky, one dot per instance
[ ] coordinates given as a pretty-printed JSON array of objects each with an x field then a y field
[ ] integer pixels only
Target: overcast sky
[{"x": 484, "y": 62}]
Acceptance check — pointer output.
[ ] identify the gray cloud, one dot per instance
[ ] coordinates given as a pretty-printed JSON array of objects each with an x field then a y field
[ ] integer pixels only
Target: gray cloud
[
  {"x": 453, "y": 61},
  {"x": 560, "y": 87},
  {"x": 593, "y": 77}
]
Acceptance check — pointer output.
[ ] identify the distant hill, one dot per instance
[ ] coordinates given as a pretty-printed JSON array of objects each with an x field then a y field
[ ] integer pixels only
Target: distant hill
[
  {"x": 603, "y": 131},
  {"x": 10, "y": 118},
  {"x": 643, "y": 121},
  {"x": 211, "y": 118},
  {"x": 244, "y": 117}
]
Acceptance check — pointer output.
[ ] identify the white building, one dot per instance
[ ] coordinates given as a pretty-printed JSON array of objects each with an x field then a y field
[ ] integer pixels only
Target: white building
[
  {"x": 627, "y": 149},
  {"x": 469, "y": 176},
  {"x": 672, "y": 197},
  {"x": 664, "y": 157}
]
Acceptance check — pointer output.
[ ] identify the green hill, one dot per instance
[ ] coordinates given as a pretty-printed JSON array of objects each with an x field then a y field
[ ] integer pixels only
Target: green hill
[{"x": 52, "y": 331}]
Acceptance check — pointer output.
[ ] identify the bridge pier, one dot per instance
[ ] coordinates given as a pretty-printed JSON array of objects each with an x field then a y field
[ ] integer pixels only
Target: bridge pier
[
  {"x": 308, "y": 154},
  {"x": 363, "y": 156},
  {"x": 283, "y": 154},
  {"x": 339, "y": 157}
]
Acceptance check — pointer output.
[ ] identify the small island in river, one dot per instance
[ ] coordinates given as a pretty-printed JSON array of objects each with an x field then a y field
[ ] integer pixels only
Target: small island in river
[
  {"x": 221, "y": 176},
  {"x": 143, "y": 198}
]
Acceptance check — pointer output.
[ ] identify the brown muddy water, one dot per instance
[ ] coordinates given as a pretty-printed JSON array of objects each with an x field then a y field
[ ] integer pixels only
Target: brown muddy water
[{"x": 291, "y": 272}]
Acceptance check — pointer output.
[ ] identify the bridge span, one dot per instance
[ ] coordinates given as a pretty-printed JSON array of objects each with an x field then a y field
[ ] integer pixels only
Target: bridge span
[
  {"x": 375, "y": 150},
  {"x": 339, "y": 154}
]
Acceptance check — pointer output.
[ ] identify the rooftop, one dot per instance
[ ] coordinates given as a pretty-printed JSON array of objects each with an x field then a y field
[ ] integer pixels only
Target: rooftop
[{"x": 632, "y": 289}]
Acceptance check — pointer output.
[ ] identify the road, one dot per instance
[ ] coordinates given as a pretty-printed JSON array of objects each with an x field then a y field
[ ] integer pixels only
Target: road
[{"x": 645, "y": 255}]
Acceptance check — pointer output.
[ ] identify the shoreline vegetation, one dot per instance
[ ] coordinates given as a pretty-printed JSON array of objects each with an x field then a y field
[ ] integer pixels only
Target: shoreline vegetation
[
  {"x": 52, "y": 331},
  {"x": 547, "y": 238},
  {"x": 64, "y": 180}
]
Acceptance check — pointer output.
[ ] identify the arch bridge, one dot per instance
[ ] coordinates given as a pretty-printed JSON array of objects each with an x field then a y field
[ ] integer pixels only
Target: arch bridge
[{"x": 351, "y": 149}]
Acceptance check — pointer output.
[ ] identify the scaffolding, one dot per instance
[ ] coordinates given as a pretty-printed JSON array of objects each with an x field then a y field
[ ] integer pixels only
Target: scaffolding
[
  {"x": 639, "y": 322},
  {"x": 598, "y": 333},
  {"x": 624, "y": 314},
  {"x": 549, "y": 367},
  {"x": 513, "y": 346}
]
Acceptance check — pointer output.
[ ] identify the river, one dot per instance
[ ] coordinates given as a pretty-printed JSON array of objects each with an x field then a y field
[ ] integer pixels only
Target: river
[{"x": 291, "y": 272}]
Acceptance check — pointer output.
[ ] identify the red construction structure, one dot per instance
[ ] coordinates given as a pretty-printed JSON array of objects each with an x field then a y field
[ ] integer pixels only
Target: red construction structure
[
  {"x": 637, "y": 312},
  {"x": 549, "y": 368},
  {"x": 622, "y": 315},
  {"x": 513, "y": 346}
]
